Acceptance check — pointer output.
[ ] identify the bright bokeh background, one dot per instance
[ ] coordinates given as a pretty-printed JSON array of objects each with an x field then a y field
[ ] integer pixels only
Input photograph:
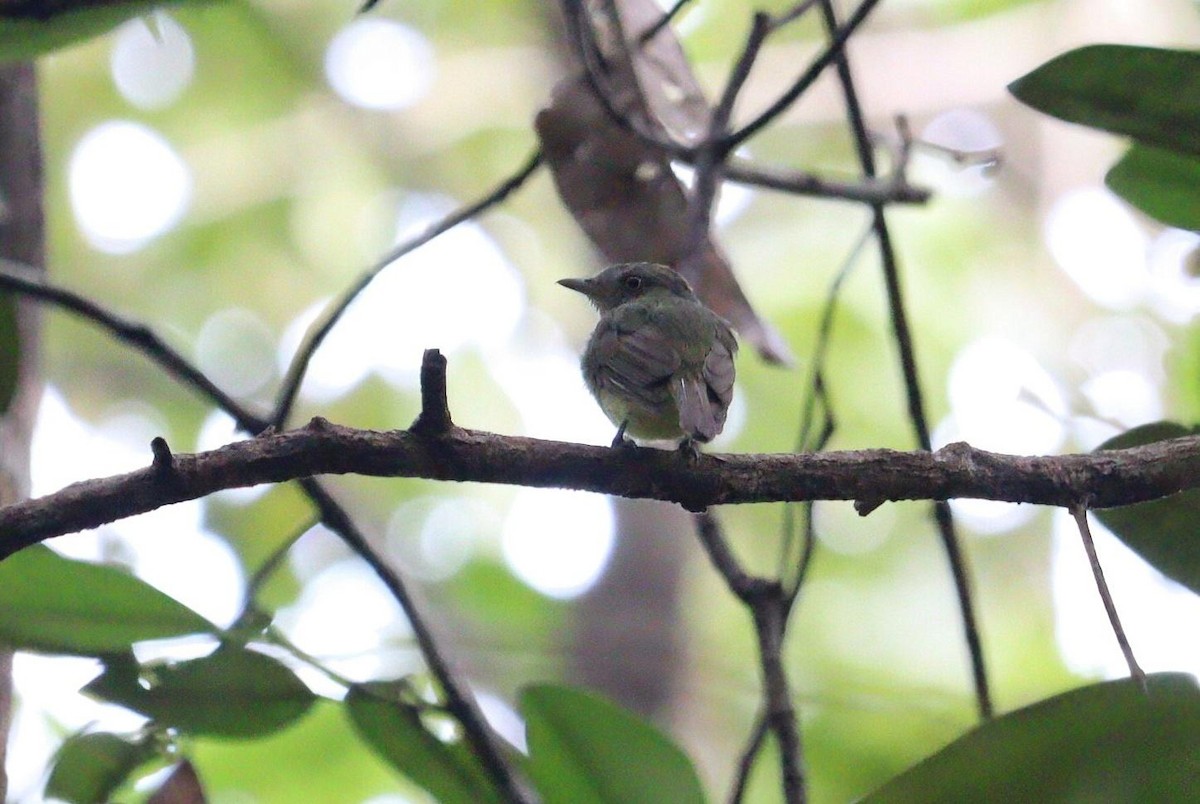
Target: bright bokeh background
[{"x": 222, "y": 172}]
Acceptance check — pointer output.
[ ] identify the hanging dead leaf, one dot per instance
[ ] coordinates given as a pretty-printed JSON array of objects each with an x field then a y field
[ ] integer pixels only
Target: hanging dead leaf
[{"x": 620, "y": 187}]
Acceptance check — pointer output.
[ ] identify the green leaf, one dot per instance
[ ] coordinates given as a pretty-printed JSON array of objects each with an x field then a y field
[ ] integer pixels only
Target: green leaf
[
  {"x": 583, "y": 748},
  {"x": 89, "y": 767},
  {"x": 1163, "y": 184},
  {"x": 1150, "y": 94},
  {"x": 28, "y": 38},
  {"x": 1166, "y": 532},
  {"x": 50, "y": 603},
  {"x": 232, "y": 692},
  {"x": 1103, "y": 742},
  {"x": 394, "y": 730}
]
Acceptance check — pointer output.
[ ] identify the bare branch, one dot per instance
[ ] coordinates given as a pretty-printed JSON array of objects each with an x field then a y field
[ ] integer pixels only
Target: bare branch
[
  {"x": 22, "y": 279},
  {"x": 1106, "y": 478},
  {"x": 902, "y": 333},
  {"x": 1079, "y": 513},
  {"x": 769, "y": 604},
  {"x": 867, "y": 191},
  {"x": 299, "y": 364},
  {"x": 807, "y": 78}
]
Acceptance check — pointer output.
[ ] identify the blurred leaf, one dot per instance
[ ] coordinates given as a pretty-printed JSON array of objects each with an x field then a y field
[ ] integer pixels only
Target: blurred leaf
[
  {"x": 89, "y": 767},
  {"x": 55, "y": 604},
  {"x": 10, "y": 351},
  {"x": 394, "y": 730},
  {"x": 583, "y": 748},
  {"x": 1166, "y": 532},
  {"x": 1102, "y": 742},
  {"x": 318, "y": 759},
  {"x": 181, "y": 787},
  {"x": 488, "y": 592},
  {"x": 232, "y": 692},
  {"x": 1163, "y": 184},
  {"x": 1150, "y": 94},
  {"x": 26, "y": 38}
]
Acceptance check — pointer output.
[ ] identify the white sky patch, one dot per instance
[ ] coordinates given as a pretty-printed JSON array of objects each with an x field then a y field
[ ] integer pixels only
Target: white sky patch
[
  {"x": 540, "y": 374},
  {"x": 1094, "y": 238},
  {"x": 344, "y": 616},
  {"x": 556, "y": 541},
  {"x": 380, "y": 64},
  {"x": 1002, "y": 400},
  {"x": 968, "y": 131},
  {"x": 153, "y": 60},
  {"x": 458, "y": 291},
  {"x": 434, "y": 537},
  {"x": 1125, "y": 397},
  {"x": 1174, "y": 283},
  {"x": 128, "y": 185},
  {"x": 236, "y": 350}
]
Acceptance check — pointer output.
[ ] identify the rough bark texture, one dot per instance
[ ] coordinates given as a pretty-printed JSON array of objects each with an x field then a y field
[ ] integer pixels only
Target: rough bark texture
[
  {"x": 22, "y": 239},
  {"x": 870, "y": 477}
]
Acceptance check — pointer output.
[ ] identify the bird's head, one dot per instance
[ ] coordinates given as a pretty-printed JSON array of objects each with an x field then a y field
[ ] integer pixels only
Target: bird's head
[{"x": 626, "y": 282}]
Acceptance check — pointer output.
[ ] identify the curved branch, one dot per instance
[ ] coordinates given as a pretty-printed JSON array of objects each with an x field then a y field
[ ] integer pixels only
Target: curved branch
[
  {"x": 1099, "y": 480},
  {"x": 316, "y": 335}
]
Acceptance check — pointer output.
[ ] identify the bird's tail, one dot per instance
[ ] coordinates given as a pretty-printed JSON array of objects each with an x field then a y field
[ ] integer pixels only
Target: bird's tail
[{"x": 697, "y": 414}]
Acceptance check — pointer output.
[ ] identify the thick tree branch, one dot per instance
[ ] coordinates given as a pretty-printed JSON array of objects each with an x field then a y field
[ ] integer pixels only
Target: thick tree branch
[{"x": 1099, "y": 480}]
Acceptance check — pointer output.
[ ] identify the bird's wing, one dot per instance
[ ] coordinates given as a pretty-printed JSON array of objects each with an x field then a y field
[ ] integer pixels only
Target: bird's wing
[
  {"x": 719, "y": 370},
  {"x": 637, "y": 359}
]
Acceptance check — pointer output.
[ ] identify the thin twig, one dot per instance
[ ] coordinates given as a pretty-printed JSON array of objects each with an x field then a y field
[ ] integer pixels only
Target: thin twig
[
  {"x": 1079, "y": 513},
  {"x": 663, "y": 21},
  {"x": 475, "y": 729},
  {"x": 816, "y": 394},
  {"x": 316, "y": 335},
  {"x": 768, "y": 606},
  {"x": 791, "y": 15},
  {"x": 836, "y": 43},
  {"x": 711, "y": 156},
  {"x": 868, "y": 191},
  {"x": 758, "y": 738},
  {"x": 903, "y": 335},
  {"x": 459, "y": 702},
  {"x": 23, "y": 279}
]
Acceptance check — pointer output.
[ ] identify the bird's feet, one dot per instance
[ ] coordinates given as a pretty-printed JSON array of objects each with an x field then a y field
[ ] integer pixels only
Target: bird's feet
[
  {"x": 689, "y": 448},
  {"x": 620, "y": 441}
]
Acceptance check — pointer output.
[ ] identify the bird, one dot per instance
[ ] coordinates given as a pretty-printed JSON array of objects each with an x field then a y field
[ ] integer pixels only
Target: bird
[{"x": 659, "y": 362}]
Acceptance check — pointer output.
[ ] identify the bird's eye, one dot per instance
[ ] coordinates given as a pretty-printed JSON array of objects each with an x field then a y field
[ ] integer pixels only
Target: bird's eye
[{"x": 633, "y": 282}]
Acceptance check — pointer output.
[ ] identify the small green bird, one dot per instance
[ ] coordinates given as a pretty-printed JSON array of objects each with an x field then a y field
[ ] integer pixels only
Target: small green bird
[{"x": 660, "y": 363}]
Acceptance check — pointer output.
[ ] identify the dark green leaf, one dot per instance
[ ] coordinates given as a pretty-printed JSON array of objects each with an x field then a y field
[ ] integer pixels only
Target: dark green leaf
[
  {"x": 583, "y": 748},
  {"x": 27, "y": 38},
  {"x": 1166, "y": 532},
  {"x": 54, "y": 604},
  {"x": 89, "y": 767},
  {"x": 1163, "y": 184},
  {"x": 232, "y": 692},
  {"x": 1150, "y": 94},
  {"x": 1103, "y": 742},
  {"x": 395, "y": 731}
]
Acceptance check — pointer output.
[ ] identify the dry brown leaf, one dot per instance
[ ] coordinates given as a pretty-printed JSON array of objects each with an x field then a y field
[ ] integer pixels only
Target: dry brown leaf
[{"x": 620, "y": 188}]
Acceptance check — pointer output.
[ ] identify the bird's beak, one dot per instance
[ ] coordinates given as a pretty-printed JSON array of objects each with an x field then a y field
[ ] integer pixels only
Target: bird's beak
[{"x": 583, "y": 286}]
